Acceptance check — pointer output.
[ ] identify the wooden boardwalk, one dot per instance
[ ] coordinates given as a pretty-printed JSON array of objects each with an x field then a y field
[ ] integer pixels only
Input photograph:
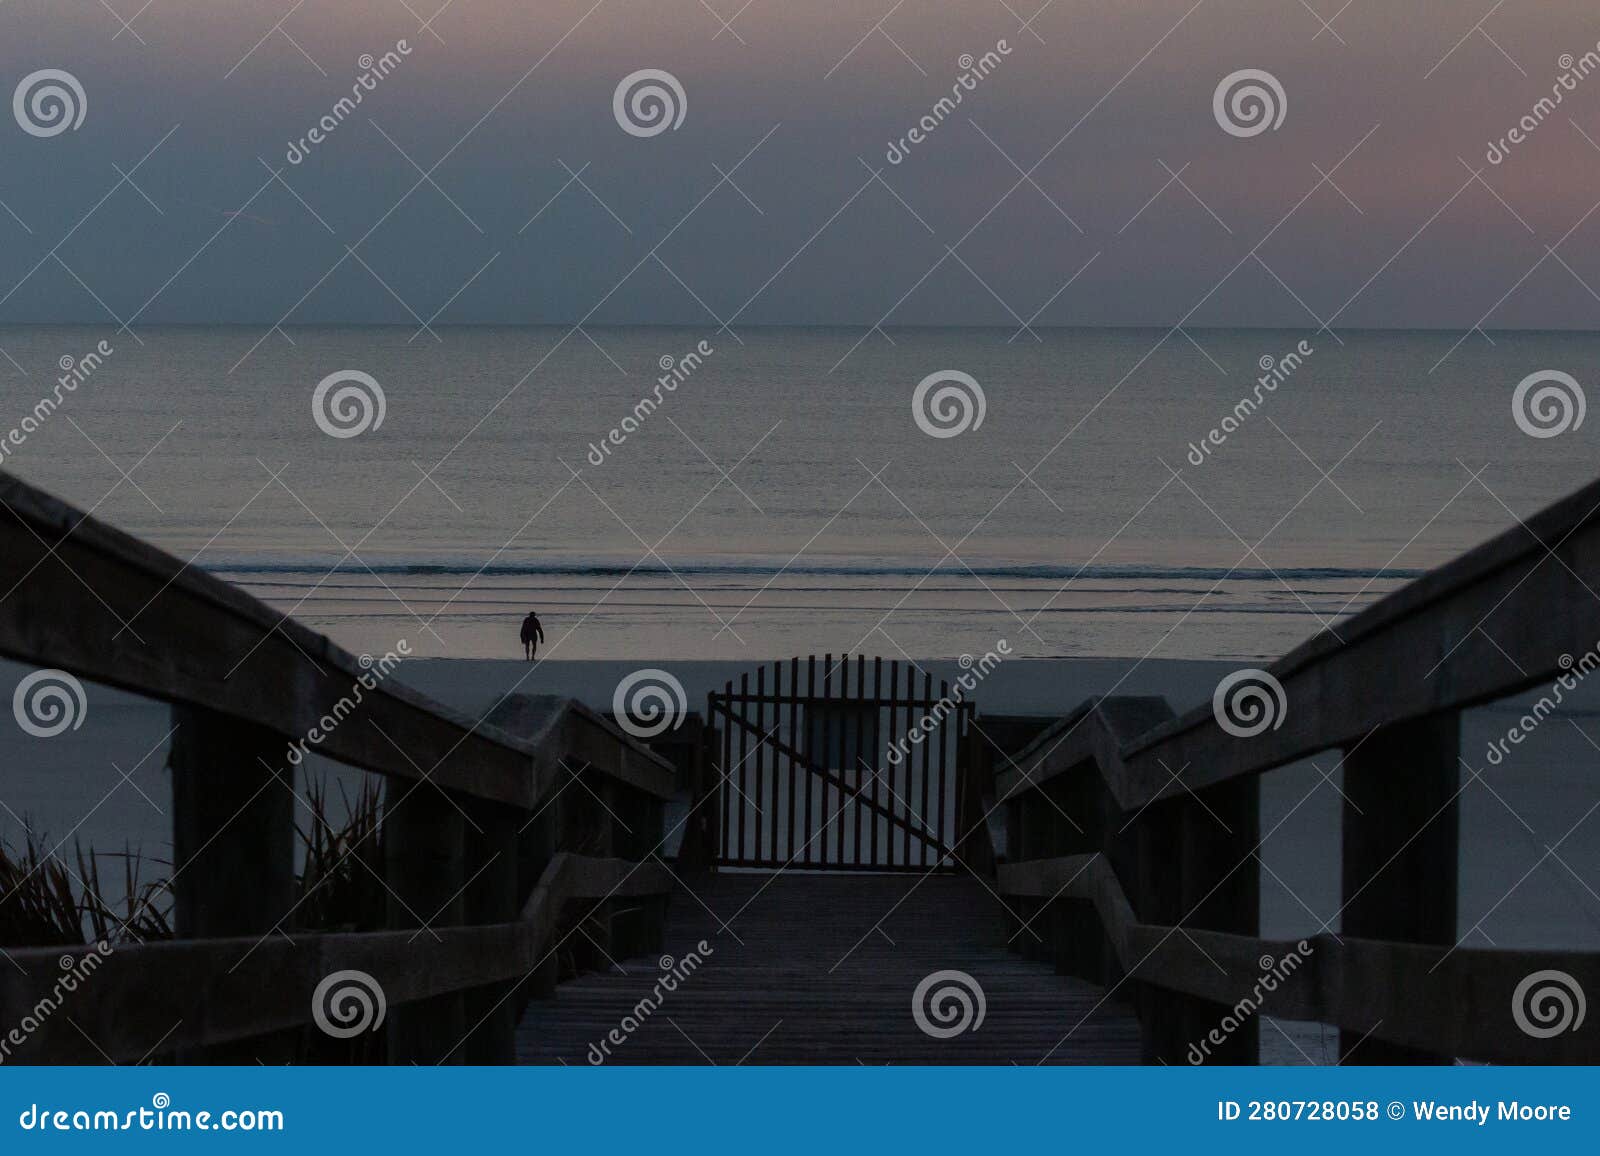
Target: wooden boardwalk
[
  {"x": 805, "y": 972},
  {"x": 1128, "y": 844}
]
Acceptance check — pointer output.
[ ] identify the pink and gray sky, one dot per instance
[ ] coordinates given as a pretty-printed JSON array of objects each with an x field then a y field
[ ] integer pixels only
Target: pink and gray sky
[{"x": 1360, "y": 209}]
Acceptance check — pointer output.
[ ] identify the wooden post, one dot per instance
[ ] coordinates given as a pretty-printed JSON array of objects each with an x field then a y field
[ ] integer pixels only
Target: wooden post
[
  {"x": 1035, "y": 815},
  {"x": 595, "y": 945},
  {"x": 1155, "y": 888},
  {"x": 1221, "y": 889},
  {"x": 536, "y": 847},
  {"x": 425, "y": 856},
  {"x": 233, "y": 844},
  {"x": 1401, "y": 850},
  {"x": 492, "y": 896}
]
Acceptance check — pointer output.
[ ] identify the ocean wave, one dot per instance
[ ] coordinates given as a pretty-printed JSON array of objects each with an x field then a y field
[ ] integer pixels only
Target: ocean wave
[{"x": 244, "y": 568}]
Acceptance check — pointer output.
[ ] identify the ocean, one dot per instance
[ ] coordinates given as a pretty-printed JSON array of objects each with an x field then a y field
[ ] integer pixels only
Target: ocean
[{"x": 772, "y": 493}]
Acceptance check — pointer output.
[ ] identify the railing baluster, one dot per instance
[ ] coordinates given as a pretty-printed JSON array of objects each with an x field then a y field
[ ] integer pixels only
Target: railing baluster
[
  {"x": 424, "y": 844},
  {"x": 233, "y": 840},
  {"x": 1401, "y": 850},
  {"x": 492, "y": 896}
]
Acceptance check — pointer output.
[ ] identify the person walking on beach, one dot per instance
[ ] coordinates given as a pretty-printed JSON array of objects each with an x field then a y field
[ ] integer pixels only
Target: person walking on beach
[{"x": 532, "y": 634}]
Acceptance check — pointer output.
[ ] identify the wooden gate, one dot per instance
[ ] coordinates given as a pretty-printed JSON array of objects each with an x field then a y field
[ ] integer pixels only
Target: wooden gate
[{"x": 840, "y": 765}]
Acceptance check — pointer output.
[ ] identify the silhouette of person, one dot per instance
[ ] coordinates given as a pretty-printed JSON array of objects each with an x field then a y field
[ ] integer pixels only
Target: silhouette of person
[{"x": 532, "y": 634}]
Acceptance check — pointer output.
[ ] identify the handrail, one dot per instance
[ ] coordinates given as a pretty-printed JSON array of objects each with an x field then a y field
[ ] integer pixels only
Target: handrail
[
  {"x": 1451, "y": 999},
  {"x": 79, "y": 595},
  {"x": 1368, "y": 671},
  {"x": 1169, "y": 835},
  {"x": 143, "y": 997}
]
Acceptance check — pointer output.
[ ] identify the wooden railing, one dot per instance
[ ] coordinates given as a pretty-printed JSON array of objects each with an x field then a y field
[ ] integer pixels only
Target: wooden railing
[
  {"x": 497, "y": 832},
  {"x": 1133, "y": 835}
]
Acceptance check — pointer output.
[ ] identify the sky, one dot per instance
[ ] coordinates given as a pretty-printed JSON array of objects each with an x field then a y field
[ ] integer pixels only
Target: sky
[{"x": 1085, "y": 181}]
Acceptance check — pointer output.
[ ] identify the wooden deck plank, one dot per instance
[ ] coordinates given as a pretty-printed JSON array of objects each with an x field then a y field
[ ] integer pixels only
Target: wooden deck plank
[{"x": 825, "y": 973}]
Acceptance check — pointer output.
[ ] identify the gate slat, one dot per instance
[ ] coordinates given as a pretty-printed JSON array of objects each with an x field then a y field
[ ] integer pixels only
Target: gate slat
[
  {"x": 927, "y": 692},
  {"x": 760, "y": 771},
  {"x": 910, "y": 763},
  {"x": 744, "y": 757},
  {"x": 950, "y": 727},
  {"x": 877, "y": 749},
  {"x": 727, "y": 778},
  {"x": 811, "y": 694},
  {"x": 794, "y": 732}
]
